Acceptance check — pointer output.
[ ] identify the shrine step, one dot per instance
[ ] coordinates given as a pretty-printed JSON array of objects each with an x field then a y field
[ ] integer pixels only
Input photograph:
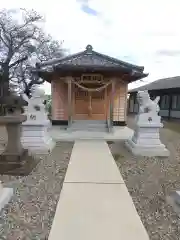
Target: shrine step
[{"x": 89, "y": 125}]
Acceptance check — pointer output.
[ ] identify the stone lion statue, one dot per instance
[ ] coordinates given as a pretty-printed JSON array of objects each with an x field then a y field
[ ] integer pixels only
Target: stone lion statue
[
  {"x": 146, "y": 105},
  {"x": 36, "y": 100},
  {"x": 37, "y": 91}
]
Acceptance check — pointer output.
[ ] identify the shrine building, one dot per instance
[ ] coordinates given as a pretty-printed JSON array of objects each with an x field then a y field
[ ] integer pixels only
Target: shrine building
[{"x": 89, "y": 86}]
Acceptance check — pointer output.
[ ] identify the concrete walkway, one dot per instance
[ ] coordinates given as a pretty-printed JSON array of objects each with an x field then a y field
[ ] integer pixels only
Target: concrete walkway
[{"x": 94, "y": 203}]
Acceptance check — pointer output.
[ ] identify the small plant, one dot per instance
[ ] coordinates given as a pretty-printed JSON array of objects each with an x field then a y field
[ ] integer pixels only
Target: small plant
[{"x": 49, "y": 106}]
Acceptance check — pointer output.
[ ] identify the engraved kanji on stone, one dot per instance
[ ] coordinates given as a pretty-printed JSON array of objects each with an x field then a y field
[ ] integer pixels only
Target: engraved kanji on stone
[{"x": 33, "y": 117}]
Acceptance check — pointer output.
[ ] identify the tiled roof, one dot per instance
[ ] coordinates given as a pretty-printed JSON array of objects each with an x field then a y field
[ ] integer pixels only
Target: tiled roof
[
  {"x": 89, "y": 58},
  {"x": 165, "y": 83}
]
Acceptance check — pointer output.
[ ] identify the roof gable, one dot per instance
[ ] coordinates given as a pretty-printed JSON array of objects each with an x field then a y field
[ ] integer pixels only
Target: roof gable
[{"x": 89, "y": 57}]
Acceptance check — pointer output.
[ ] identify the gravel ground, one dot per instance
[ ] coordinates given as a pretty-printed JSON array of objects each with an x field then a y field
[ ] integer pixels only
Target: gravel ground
[
  {"x": 30, "y": 213},
  {"x": 150, "y": 181}
]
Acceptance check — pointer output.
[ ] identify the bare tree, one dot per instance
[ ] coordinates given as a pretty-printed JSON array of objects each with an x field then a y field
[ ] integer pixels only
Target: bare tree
[{"x": 21, "y": 40}]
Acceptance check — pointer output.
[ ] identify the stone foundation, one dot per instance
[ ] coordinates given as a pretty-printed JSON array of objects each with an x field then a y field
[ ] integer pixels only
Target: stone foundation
[{"x": 147, "y": 149}]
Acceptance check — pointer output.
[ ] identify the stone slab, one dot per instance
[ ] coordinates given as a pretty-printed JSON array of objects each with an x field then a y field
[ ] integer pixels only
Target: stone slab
[
  {"x": 5, "y": 196},
  {"x": 119, "y": 133},
  {"x": 91, "y": 161},
  {"x": 176, "y": 197},
  {"x": 174, "y": 200},
  {"x": 98, "y": 212}
]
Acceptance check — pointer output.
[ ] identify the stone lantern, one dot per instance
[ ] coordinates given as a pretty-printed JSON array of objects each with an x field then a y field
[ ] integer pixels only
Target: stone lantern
[{"x": 15, "y": 160}]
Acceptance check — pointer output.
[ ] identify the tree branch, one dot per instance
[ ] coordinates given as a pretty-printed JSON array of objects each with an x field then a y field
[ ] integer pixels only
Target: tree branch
[
  {"x": 18, "y": 61},
  {"x": 4, "y": 32},
  {"x": 1, "y": 38},
  {"x": 23, "y": 41}
]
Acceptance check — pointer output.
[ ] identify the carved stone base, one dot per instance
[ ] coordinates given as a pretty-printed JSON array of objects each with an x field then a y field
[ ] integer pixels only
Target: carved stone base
[
  {"x": 37, "y": 139},
  {"x": 17, "y": 164},
  {"x": 146, "y": 139},
  {"x": 147, "y": 150}
]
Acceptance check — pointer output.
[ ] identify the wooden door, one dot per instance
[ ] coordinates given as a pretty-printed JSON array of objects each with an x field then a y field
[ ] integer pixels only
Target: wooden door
[
  {"x": 89, "y": 105},
  {"x": 98, "y": 105},
  {"x": 81, "y": 102}
]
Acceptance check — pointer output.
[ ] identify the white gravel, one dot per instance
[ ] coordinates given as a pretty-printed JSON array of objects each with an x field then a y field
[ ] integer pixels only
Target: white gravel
[
  {"x": 150, "y": 181},
  {"x": 30, "y": 213}
]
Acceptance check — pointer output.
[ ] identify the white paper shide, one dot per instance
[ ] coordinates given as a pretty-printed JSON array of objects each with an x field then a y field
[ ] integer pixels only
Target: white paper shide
[{"x": 146, "y": 139}]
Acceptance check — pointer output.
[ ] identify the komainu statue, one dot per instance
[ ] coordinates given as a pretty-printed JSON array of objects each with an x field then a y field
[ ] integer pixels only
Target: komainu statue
[
  {"x": 146, "y": 105},
  {"x": 146, "y": 139},
  {"x": 36, "y": 108}
]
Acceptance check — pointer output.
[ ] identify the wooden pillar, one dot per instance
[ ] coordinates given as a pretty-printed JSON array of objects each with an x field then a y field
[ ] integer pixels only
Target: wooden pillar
[
  {"x": 126, "y": 105},
  {"x": 69, "y": 101},
  {"x": 112, "y": 102}
]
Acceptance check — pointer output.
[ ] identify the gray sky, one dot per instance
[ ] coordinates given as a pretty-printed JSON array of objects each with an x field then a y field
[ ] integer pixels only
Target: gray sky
[{"x": 143, "y": 32}]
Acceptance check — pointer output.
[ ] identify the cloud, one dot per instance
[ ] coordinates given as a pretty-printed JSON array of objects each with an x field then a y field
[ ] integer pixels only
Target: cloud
[
  {"x": 142, "y": 32},
  {"x": 168, "y": 53}
]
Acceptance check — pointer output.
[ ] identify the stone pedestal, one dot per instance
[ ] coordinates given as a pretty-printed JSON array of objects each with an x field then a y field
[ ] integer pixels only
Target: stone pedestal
[
  {"x": 5, "y": 195},
  {"x": 36, "y": 137},
  {"x": 146, "y": 140}
]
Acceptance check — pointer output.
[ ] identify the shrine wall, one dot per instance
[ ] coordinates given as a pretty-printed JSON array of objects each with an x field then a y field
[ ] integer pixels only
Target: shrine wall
[
  {"x": 120, "y": 102},
  {"x": 59, "y": 100},
  {"x": 59, "y": 93}
]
